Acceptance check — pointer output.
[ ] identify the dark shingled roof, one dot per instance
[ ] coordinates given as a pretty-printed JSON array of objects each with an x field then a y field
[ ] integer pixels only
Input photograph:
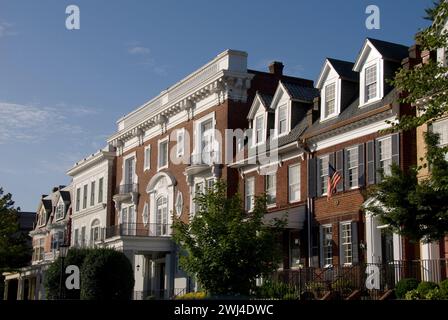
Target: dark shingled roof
[
  {"x": 351, "y": 111},
  {"x": 301, "y": 93},
  {"x": 389, "y": 50},
  {"x": 47, "y": 204},
  {"x": 65, "y": 196},
  {"x": 344, "y": 69},
  {"x": 266, "y": 98}
]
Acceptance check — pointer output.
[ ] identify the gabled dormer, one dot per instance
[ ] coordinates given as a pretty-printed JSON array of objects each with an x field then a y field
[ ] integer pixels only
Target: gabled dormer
[
  {"x": 377, "y": 61},
  {"x": 290, "y": 104},
  {"x": 261, "y": 118},
  {"x": 43, "y": 212},
  {"x": 62, "y": 205},
  {"x": 337, "y": 83}
]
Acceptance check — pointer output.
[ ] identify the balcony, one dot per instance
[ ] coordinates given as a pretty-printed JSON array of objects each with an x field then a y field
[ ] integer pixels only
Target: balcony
[
  {"x": 202, "y": 161},
  {"x": 139, "y": 230},
  {"x": 126, "y": 193}
]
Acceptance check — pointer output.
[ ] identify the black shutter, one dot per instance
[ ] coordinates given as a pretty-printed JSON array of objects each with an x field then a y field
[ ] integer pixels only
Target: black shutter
[
  {"x": 341, "y": 247},
  {"x": 355, "y": 246},
  {"x": 317, "y": 179},
  {"x": 321, "y": 246},
  {"x": 340, "y": 169},
  {"x": 312, "y": 177},
  {"x": 370, "y": 162},
  {"x": 346, "y": 173},
  {"x": 361, "y": 171},
  {"x": 378, "y": 172},
  {"x": 396, "y": 148}
]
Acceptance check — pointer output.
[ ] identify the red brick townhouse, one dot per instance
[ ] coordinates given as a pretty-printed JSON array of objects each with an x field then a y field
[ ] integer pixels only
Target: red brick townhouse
[
  {"x": 338, "y": 124},
  {"x": 171, "y": 148},
  {"x": 51, "y": 229}
]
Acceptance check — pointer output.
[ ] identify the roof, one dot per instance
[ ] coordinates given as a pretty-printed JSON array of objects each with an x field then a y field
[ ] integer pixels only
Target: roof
[
  {"x": 390, "y": 50},
  {"x": 298, "y": 92},
  {"x": 47, "y": 204},
  {"x": 65, "y": 195},
  {"x": 344, "y": 69},
  {"x": 266, "y": 98}
]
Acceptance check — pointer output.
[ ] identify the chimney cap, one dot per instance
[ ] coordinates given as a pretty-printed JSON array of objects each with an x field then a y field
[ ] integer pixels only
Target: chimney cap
[{"x": 276, "y": 67}]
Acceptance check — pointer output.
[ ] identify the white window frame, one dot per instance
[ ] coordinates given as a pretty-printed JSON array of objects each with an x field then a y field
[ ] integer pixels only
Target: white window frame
[
  {"x": 277, "y": 119},
  {"x": 180, "y": 142},
  {"x": 42, "y": 217},
  {"x": 95, "y": 227},
  {"x": 78, "y": 199},
  {"x": 134, "y": 175},
  {"x": 256, "y": 129},
  {"x": 271, "y": 191},
  {"x": 85, "y": 190},
  {"x": 352, "y": 168},
  {"x": 383, "y": 161},
  {"x": 92, "y": 193},
  {"x": 160, "y": 142},
  {"x": 327, "y": 248},
  {"x": 323, "y": 170},
  {"x": 335, "y": 99},
  {"x": 60, "y": 211},
  {"x": 348, "y": 259},
  {"x": 379, "y": 62},
  {"x": 370, "y": 83},
  {"x": 441, "y": 127},
  {"x": 249, "y": 199},
  {"x": 100, "y": 189},
  {"x": 294, "y": 186},
  {"x": 147, "y": 158},
  {"x": 198, "y": 134}
]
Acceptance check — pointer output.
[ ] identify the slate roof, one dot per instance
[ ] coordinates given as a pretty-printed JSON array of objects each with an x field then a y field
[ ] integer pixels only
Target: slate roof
[
  {"x": 47, "y": 204},
  {"x": 391, "y": 51},
  {"x": 298, "y": 92},
  {"x": 266, "y": 98},
  {"x": 344, "y": 69},
  {"x": 65, "y": 195}
]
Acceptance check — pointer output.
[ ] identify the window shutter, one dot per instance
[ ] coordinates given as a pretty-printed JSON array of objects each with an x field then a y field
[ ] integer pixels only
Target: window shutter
[
  {"x": 377, "y": 162},
  {"x": 361, "y": 171},
  {"x": 312, "y": 178},
  {"x": 317, "y": 179},
  {"x": 340, "y": 168},
  {"x": 321, "y": 246},
  {"x": 370, "y": 162},
  {"x": 355, "y": 246},
  {"x": 341, "y": 248},
  {"x": 396, "y": 148},
  {"x": 331, "y": 159},
  {"x": 346, "y": 173}
]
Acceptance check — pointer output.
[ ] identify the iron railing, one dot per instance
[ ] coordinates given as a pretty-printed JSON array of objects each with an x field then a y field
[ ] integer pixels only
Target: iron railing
[
  {"x": 370, "y": 279},
  {"x": 139, "y": 230},
  {"x": 126, "y": 188}
]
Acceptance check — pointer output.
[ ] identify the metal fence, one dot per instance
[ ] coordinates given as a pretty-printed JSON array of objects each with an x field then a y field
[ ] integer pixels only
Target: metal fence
[{"x": 370, "y": 280}]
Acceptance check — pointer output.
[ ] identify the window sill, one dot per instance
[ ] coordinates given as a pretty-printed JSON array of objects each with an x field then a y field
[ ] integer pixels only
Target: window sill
[
  {"x": 161, "y": 168},
  {"x": 271, "y": 206},
  {"x": 294, "y": 201},
  {"x": 370, "y": 102}
]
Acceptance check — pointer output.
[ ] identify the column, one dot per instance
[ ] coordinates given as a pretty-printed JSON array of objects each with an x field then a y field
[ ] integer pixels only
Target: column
[
  {"x": 169, "y": 275},
  {"x": 430, "y": 261},
  {"x": 373, "y": 240}
]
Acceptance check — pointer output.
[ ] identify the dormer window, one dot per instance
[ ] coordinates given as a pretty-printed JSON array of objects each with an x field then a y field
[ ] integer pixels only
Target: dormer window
[
  {"x": 60, "y": 211},
  {"x": 282, "y": 120},
  {"x": 259, "y": 129},
  {"x": 330, "y": 99},
  {"x": 370, "y": 83}
]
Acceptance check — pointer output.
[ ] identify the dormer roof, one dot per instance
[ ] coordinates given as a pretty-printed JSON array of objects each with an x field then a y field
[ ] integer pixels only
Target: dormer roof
[
  {"x": 343, "y": 68},
  {"x": 260, "y": 99}
]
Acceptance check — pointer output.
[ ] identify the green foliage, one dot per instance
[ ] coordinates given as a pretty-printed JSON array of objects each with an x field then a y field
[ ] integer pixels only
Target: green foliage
[
  {"x": 435, "y": 294},
  {"x": 277, "y": 290},
  {"x": 15, "y": 251},
  {"x": 425, "y": 286},
  {"x": 412, "y": 295},
  {"x": 52, "y": 276},
  {"x": 226, "y": 248},
  {"x": 405, "y": 285},
  {"x": 343, "y": 285},
  {"x": 291, "y": 296},
  {"x": 192, "y": 296},
  {"x": 106, "y": 275},
  {"x": 444, "y": 288}
]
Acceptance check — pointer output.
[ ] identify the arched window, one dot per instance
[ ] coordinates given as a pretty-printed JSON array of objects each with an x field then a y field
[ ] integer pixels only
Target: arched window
[
  {"x": 95, "y": 232},
  {"x": 161, "y": 227}
]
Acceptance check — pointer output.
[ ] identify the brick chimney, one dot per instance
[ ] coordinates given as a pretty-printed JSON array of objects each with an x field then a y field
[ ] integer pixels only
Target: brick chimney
[{"x": 276, "y": 67}]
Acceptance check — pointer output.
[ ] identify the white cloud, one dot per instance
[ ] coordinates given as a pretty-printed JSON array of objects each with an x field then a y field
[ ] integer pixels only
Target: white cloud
[
  {"x": 146, "y": 60},
  {"x": 139, "y": 50},
  {"x": 33, "y": 123},
  {"x": 6, "y": 29}
]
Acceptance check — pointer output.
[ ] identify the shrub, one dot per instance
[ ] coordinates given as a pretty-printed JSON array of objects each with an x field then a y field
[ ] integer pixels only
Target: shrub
[
  {"x": 435, "y": 294},
  {"x": 444, "y": 288},
  {"x": 106, "y": 275},
  {"x": 290, "y": 296},
  {"x": 412, "y": 295},
  {"x": 192, "y": 296},
  {"x": 405, "y": 285},
  {"x": 425, "y": 286},
  {"x": 342, "y": 285},
  {"x": 275, "y": 290}
]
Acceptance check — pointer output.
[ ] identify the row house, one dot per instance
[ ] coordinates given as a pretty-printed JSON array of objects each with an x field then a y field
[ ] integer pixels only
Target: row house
[
  {"x": 340, "y": 124},
  {"x": 51, "y": 229}
]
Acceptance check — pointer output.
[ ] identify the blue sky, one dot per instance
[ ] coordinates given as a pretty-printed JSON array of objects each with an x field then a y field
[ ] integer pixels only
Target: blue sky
[{"x": 62, "y": 91}]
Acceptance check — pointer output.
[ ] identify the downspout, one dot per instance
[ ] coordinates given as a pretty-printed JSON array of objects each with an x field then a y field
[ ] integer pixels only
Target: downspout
[{"x": 310, "y": 212}]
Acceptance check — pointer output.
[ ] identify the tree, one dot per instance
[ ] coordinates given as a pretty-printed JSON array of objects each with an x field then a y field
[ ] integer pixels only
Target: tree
[
  {"x": 225, "y": 248},
  {"x": 418, "y": 208},
  {"x": 106, "y": 274}
]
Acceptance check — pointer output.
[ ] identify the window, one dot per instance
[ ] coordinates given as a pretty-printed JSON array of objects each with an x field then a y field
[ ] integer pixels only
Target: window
[
  {"x": 78, "y": 198},
  {"x": 100, "y": 190},
  {"x": 57, "y": 240},
  {"x": 84, "y": 198},
  {"x": 162, "y": 216},
  {"x": 83, "y": 237},
  {"x": 327, "y": 245},
  {"x": 60, "y": 211},
  {"x": 294, "y": 183},
  {"x": 210, "y": 183},
  {"x": 147, "y": 160},
  {"x": 294, "y": 250},
  {"x": 95, "y": 232},
  {"x": 259, "y": 130},
  {"x": 271, "y": 188},
  {"x": 180, "y": 142},
  {"x": 129, "y": 173},
  {"x": 163, "y": 154},
  {"x": 441, "y": 127},
  {"x": 346, "y": 242},
  {"x": 323, "y": 169},
  {"x": 76, "y": 238},
  {"x": 352, "y": 167},
  {"x": 385, "y": 154},
  {"x": 207, "y": 141},
  {"x": 199, "y": 190},
  {"x": 38, "y": 249},
  {"x": 370, "y": 84},
  {"x": 92, "y": 193},
  {"x": 42, "y": 218},
  {"x": 249, "y": 193},
  {"x": 330, "y": 99},
  {"x": 282, "y": 119}
]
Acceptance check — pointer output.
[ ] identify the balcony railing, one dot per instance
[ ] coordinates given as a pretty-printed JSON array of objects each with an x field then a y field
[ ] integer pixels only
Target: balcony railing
[
  {"x": 205, "y": 158},
  {"x": 139, "y": 230},
  {"x": 127, "y": 188}
]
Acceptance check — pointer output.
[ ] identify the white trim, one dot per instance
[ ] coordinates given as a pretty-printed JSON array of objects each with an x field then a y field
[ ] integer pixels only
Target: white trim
[
  {"x": 180, "y": 147},
  {"x": 197, "y": 131},
  {"x": 299, "y": 166},
  {"x": 123, "y": 167},
  {"x": 337, "y": 98},
  {"x": 147, "y": 161},
  {"x": 159, "y": 142}
]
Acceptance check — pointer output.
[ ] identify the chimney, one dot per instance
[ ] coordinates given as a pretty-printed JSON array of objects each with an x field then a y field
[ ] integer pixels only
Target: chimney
[{"x": 276, "y": 67}]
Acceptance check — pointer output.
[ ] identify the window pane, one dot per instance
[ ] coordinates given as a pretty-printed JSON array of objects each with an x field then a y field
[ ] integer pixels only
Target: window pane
[
  {"x": 330, "y": 99},
  {"x": 327, "y": 246},
  {"x": 370, "y": 79},
  {"x": 282, "y": 119},
  {"x": 385, "y": 152},
  {"x": 294, "y": 183},
  {"x": 323, "y": 173},
  {"x": 249, "y": 193},
  {"x": 352, "y": 161},
  {"x": 271, "y": 188},
  {"x": 346, "y": 242}
]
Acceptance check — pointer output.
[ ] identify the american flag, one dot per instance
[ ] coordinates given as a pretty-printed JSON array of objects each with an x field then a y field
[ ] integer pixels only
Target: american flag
[{"x": 333, "y": 179}]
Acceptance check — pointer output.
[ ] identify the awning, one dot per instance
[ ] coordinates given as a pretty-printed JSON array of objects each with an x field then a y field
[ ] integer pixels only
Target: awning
[{"x": 295, "y": 217}]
